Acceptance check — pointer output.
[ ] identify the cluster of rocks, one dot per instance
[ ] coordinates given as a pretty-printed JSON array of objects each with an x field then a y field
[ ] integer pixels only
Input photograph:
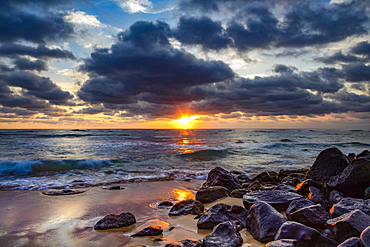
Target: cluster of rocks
[{"x": 327, "y": 205}]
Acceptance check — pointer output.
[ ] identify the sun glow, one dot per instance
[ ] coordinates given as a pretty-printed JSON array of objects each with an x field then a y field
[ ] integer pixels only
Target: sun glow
[{"x": 186, "y": 122}]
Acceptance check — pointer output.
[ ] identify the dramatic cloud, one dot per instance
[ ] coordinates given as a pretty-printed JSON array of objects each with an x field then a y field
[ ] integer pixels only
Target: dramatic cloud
[{"x": 143, "y": 65}]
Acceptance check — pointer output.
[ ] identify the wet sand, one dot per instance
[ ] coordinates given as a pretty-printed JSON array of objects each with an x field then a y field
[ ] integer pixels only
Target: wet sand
[{"x": 30, "y": 218}]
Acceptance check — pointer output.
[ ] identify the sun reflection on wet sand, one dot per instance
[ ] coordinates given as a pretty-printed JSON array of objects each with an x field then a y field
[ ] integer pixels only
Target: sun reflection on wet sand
[{"x": 182, "y": 195}]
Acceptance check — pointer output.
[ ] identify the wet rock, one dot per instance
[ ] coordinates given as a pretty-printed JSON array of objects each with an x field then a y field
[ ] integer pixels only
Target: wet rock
[
  {"x": 255, "y": 185},
  {"x": 351, "y": 156},
  {"x": 220, "y": 177},
  {"x": 238, "y": 193},
  {"x": 351, "y": 242},
  {"x": 282, "y": 243},
  {"x": 243, "y": 178},
  {"x": 267, "y": 176},
  {"x": 189, "y": 206},
  {"x": 349, "y": 204},
  {"x": 191, "y": 242},
  {"x": 165, "y": 204},
  {"x": 353, "y": 180},
  {"x": 115, "y": 221},
  {"x": 303, "y": 188},
  {"x": 328, "y": 163},
  {"x": 285, "y": 187},
  {"x": 305, "y": 236},
  {"x": 312, "y": 216},
  {"x": 221, "y": 213},
  {"x": 211, "y": 193},
  {"x": 367, "y": 193},
  {"x": 224, "y": 234},
  {"x": 277, "y": 198},
  {"x": 363, "y": 154},
  {"x": 296, "y": 205},
  {"x": 149, "y": 231},
  {"x": 348, "y": 225},
  {"x": 335, "y": 197},
  {"x": 62, "y": 192},
  {"x": 365, "y": 237},
  {"x": 317, "y": 196},
  {"x": 263, "y": 221},
  {"x": 292, "y": 177}
]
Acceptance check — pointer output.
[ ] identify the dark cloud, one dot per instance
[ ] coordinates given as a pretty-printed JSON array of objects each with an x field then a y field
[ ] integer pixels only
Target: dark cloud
[
  {"x": 283, "y": 69},
  {"x": 204, "y": 31},
  {"x": 41, "y": 51},
  {"x": 147, "y": 69},
  {"x": 357, "y": 72},
  {"x": 361, "y": 48},
  {"x": 257, "y": 24},
  {"x": 339, "y": 57},
  {"x": 26, "y": 64}
]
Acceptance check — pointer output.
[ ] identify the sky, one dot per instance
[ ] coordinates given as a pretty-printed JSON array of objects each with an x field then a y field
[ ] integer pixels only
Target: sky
[{"x": 220, "y": 63}]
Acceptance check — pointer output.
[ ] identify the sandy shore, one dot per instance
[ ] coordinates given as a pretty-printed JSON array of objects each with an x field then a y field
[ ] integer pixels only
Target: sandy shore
[{"x": 30, "y": 218}]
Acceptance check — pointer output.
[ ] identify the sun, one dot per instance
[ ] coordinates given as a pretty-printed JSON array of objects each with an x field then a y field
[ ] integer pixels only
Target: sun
[{"x": 185, "y": 122}]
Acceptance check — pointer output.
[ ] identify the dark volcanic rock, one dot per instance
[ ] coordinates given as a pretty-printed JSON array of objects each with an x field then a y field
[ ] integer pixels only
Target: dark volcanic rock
[
  {"x": 191, "y": 242},
  {"x": 277, "y": 198},
  {"x": 238, "y": 193},
  {"x": 349, "y": 204},
  {"x": 264, "y": 221},
  {"x": 351, "y": 242},
  {"x": 165, "y": 204},
  {"x": 335, "y": 197},
  {"x": 292, "y": 177},
  {"x": 349, "y": 225},
  {"x": 363, "y": 154},
  {"x": 305, "y": 236},
  {"x": 189, "y": 206},
  {"x": 296, "y": 205},
  {"x": 303, "y": 188},
  {"x": 221, "y": 213},
  {"x": 282, "y": 243},
  {"x": 224, "y": 234},
  {"x": 312, "y": 216},
  {"x": 285, "y": 187},
  {"x": 328, "y": 163},
  {"x": 220, "y": 177},
  {"x": 149, "y": 231},
  {"x": 365, "y": 237},
  {"x": 212, "y": 193},
  {"x": 115, "y": 221},
  {"x": 317, "y": 196},
  {"x": 354, "y": 179},
  {"x": 267, "y": 176}
]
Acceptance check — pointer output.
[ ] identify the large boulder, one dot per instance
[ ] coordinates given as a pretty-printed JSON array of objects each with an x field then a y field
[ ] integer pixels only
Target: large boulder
[
  {"x": 296, "y": 205},
  {"x": 349, "y": 204},
  {"x": 305, "y": 236},
  {"x": 220, "y": 177},
  {"x": 348, "y": 225},
  {"x": 312, "y": 216},
  {"x": 221, "y": 213},
  {"x": 365, "y": 237},
  {"x": 263, "y": 221},
  {"x": 189, "y": 206},
  {"x": 115, "y": 221},
  {"x": 354, "y": 179},
  {"x": 351, "y": 242},
  {"x": 328, "y": 163},
  {"x": 303, "y": 188},
  {"x": 224, "y": 234},
  {"x": 277, "y": 198},
  {"x": 212, "y": 193}
]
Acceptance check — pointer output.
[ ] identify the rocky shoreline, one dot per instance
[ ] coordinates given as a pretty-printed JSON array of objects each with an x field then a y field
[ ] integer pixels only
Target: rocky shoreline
[{"x": 326, "y": 205}]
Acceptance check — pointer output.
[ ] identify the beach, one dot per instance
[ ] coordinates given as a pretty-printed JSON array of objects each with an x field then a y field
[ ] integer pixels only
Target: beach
[{"x": 30, "y": 218}]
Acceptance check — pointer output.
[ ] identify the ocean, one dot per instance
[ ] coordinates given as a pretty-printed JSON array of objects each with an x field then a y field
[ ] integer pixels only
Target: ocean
[{"x": 44, "y": 159}]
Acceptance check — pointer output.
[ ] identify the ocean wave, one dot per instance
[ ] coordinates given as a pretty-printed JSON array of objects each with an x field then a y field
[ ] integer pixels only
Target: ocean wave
[{"x": 35, "y": 167}]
